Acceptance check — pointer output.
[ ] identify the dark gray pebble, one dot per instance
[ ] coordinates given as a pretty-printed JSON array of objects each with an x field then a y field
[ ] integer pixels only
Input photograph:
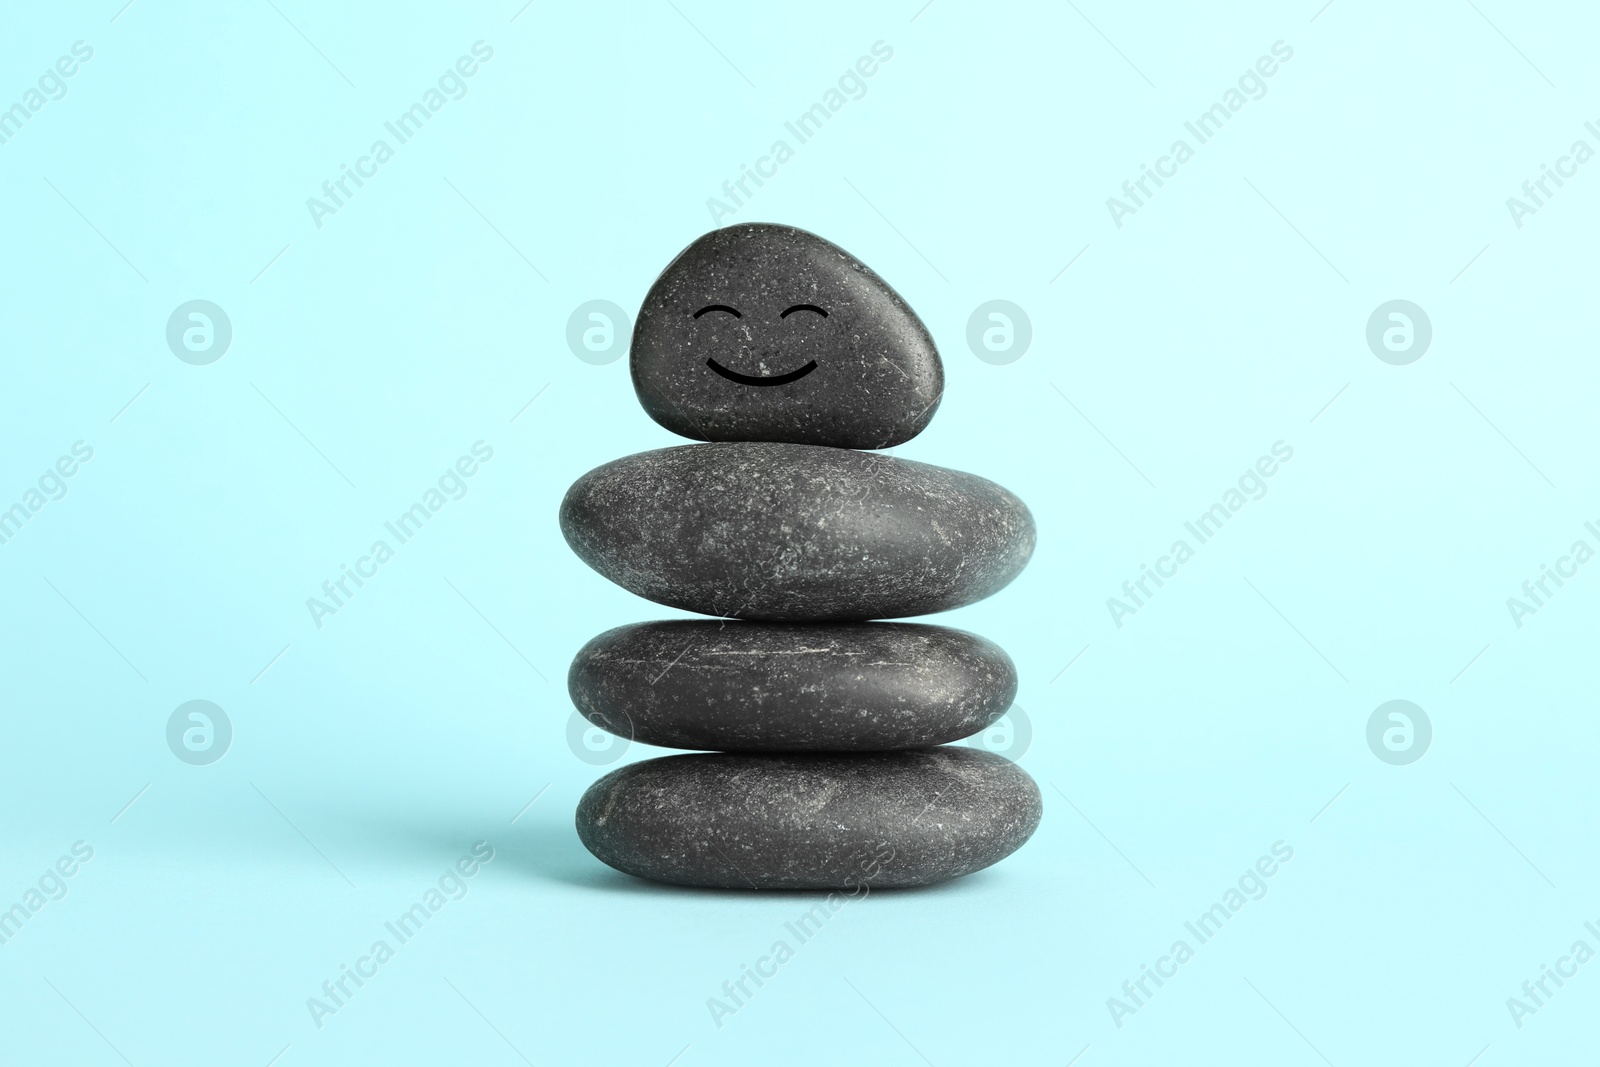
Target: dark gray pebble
[
  {"x": 796, "y": 533},
  {"x": 762, "y": 332},
  {"x": 796, "y": 687},
  {"x": 879, "y": 820}
]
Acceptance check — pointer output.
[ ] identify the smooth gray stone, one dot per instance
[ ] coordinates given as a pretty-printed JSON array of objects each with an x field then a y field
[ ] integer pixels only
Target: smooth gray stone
[
  {"x": 796, "y": 533},
  {"x": 795, "y": 687},
  {"x": 824, "y": 352},
  {"x": 810, "y": 821}
]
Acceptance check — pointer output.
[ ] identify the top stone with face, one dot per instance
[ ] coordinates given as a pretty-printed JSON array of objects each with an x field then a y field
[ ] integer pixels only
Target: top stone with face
[{"x": 763, "y": 332}]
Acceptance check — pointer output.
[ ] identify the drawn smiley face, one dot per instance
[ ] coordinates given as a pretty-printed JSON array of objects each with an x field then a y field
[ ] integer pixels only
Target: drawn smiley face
[
  {"x": 783, "y": 378},
  {"x": 763, "y": 332}
]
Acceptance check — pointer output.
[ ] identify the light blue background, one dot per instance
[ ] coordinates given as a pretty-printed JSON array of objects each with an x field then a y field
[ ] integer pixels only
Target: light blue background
[{"x": 372, "y": 352}]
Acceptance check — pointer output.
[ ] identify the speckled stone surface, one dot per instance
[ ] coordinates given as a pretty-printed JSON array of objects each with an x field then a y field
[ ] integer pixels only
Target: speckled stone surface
[
  {"x": 772, "y": 687},
  {"x": 808, "y": 345},
  {"x": 883, "y": 820},
  {"x": 784, "y": 532}
]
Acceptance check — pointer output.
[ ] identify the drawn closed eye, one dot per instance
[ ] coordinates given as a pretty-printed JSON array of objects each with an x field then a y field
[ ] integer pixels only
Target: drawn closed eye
[
  {"x": 803, "y": 307},
  {"x": 719, "y": 307}
]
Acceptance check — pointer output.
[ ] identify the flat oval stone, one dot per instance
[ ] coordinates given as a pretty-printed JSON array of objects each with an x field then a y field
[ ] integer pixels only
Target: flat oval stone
[
  {"x": 796, "y": 533},
  {"x": 796, "y": 687},
  {"x": 814, "y": 821},
  {"x": 762, "y": 332}
]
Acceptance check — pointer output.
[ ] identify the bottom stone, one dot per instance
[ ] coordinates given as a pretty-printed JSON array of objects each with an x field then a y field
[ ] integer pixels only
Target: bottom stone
[{"x": 810, "y": 821}]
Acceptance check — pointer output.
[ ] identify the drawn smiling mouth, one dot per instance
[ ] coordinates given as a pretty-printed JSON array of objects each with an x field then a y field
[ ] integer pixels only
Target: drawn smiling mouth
[{"x": 769, "y": 379}]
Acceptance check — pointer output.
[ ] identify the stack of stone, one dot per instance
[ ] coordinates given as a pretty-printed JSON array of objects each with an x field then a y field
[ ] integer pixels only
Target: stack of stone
[{"x": 830, "y": 766}]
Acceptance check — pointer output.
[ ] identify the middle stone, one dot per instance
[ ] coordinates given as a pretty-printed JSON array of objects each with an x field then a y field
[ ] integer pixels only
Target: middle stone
[
  {"x": 774, "y": 687},
  {"x": 796, "y": 533}
]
